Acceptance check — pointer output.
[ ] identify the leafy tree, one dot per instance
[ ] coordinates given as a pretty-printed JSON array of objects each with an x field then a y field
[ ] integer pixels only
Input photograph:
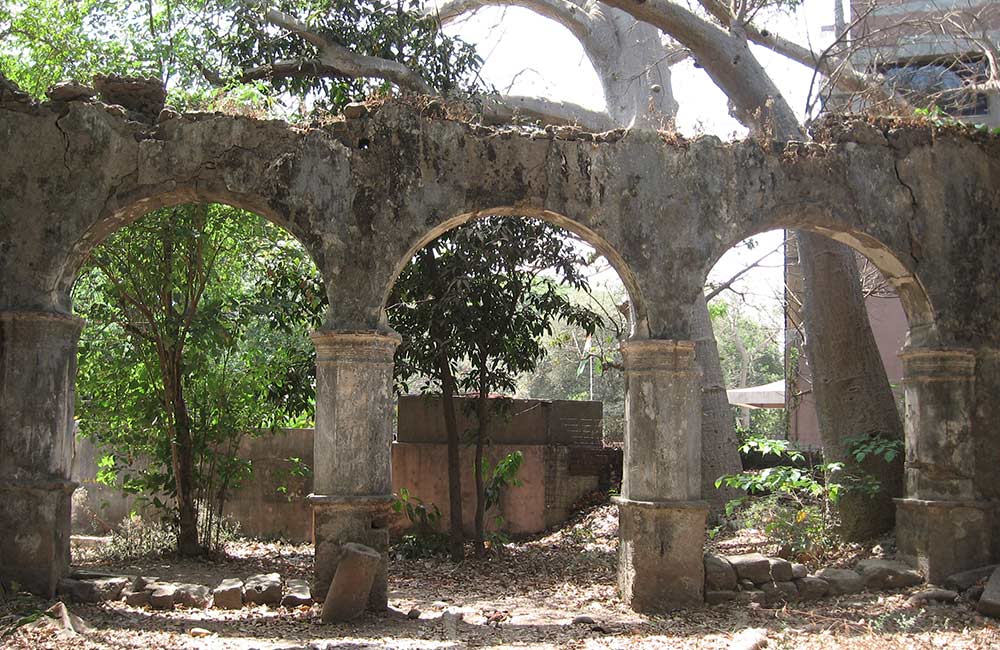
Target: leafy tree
[
  {"x": 472, "y": 308},
  {"x": 198, "y": 45},
  {"x": 199, "y": 317}
]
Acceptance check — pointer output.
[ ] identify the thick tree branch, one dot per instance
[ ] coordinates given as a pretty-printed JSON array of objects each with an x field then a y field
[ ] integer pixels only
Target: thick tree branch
[
  {"x": 838, "y": 69},
  {"x": 334, "y": 60},
  {"x": 574, "y": 16},
  {"x": 628, "y": 56},
  {"x": 727, "y": 60},
  {"x": 504, "y": 109}
]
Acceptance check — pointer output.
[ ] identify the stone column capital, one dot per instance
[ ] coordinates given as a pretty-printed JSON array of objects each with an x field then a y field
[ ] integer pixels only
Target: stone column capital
[
  {"x": 354, "y": 346},
  {"x": 659, "y": 355},
  {"x": 938, "y": 364}
]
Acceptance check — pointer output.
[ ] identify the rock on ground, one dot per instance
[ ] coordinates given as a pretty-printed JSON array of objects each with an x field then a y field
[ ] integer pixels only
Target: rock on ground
[
  {"x": 720, "y": 596},
  {"x": 887, "y": 574},
  {"x": 263, "y": 589},
  {"x": 965, "y": 579},
  {"x": 194, "y": 596},
  {"x": 751, "y": 596},
  {"x": 137, "y": 598},
  {"x": 781, "y": 570},
  {"x": 989, "y": 602},
  {"x": 63, "y": 623},
  {"x": 751, "y": 566},
  {"x": 932, "y": 595},
  {"x": 351, "y": 584},
  {"x": 842, "y": 581},
  {"x": 780, "y": 591},
  {"x": 162, "y": 596},
  {"x": 297, "y": 593},
  {"x": 719, "y": 574},
  {"x": 812, "y": 588},
  {"x": 229, "y": 594},
  {"x": 93, "y": 590}
]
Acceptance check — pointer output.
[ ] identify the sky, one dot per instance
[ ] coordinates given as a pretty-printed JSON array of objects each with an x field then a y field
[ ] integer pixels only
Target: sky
[{"x": 526, "y": 54}]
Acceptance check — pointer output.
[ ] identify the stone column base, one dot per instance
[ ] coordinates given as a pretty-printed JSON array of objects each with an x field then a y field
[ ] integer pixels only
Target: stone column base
[
  {"x": 34, "y": 534},
  {"x": 944, "y": 537},
  {"x": 338, "y": 520},
  {"x": 661, "y": 563}
]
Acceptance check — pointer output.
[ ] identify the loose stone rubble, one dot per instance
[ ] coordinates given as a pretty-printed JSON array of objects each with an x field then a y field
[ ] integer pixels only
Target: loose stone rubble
[
  {"x": 757, "y": 578},
  {"x": 231, "y": 593}
]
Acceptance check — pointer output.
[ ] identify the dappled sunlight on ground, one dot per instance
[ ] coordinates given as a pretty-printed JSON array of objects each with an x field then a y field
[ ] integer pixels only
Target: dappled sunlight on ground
[{"x": 526, "y": 597}]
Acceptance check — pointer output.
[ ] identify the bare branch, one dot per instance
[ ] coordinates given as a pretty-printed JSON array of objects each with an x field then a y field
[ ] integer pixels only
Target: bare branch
[
  {"x": 729, "y": 283},
  {"x": 838, "y": 69}
]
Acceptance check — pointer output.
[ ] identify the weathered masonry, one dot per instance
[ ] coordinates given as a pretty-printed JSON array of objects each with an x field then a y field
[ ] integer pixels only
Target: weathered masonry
[{"x": 364, "y": 194}]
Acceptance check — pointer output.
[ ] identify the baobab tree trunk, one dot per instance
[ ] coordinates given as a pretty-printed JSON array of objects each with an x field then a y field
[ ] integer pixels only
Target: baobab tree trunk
[
  {"x": 719, "y": 444},
  {"x": 629, "y": 57},
  {"x": 853, "y": 396}
]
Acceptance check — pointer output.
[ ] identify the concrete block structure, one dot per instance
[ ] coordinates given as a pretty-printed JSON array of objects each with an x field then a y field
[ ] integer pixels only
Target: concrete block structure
[
  {"x": 363, "y": 195},
  {"x": 564, "y": 458},
  {"x": 932, "y": 51}
]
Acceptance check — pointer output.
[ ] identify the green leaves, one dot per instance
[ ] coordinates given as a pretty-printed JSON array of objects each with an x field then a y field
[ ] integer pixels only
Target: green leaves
[
  {"x": 767, "y": 446},
  {"x": 198, "y": 320},
  {"x": 504, "y": 475},
  {"x": 197, "y": 44},
  {"x": 482, "y": 297},
  {"x": 877, "y": 445}
]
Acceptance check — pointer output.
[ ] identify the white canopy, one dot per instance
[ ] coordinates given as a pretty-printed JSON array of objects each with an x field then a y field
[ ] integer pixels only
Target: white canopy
[{"x": 768, "y": 396}]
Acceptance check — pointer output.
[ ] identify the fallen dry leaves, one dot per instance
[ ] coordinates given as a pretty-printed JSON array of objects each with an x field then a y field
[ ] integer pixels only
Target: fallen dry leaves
[{"x": 526, "y": 597}]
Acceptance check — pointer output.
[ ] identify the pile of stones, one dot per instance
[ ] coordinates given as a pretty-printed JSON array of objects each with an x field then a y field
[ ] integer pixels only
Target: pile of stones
[
  {"x": 231, "y": 593},
  {"x": 756, "y": 578}
]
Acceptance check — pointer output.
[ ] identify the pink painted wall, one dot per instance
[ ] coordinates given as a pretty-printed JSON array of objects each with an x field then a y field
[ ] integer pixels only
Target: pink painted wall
[{"x": 422, "y": 468}]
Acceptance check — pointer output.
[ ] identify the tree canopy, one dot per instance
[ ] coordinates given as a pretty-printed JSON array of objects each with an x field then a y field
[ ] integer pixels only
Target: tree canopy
[{"x": 309, "y": 49}]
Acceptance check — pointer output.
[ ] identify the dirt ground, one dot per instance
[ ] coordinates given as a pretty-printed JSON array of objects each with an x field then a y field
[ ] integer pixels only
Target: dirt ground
[{"x": 524, "y": 598}]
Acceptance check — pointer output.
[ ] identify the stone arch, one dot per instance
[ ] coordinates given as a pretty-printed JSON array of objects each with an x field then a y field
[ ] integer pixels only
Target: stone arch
[
  {"x": 640, "y": 328},
  {"x": 130, "y": 209},
  {"x": 900, "y": 269}
]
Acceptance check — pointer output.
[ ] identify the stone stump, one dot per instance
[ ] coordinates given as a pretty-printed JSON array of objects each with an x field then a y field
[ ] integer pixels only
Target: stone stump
[{"x": 352, "y": 583}]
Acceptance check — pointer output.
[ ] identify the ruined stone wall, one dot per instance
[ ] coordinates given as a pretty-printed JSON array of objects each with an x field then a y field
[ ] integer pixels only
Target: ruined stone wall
[{"x": 363, "y": 194}]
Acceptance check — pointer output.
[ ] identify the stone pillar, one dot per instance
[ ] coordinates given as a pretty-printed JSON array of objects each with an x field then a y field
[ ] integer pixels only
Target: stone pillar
[
  {"x": 661, "y": 514},
  {"x": 37, "y": 375},
  {"x": 352, "y": 474},
  {"x": 942, "y": 525}
]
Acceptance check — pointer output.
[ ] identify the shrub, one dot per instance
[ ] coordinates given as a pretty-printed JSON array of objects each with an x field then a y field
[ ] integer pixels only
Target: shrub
[
  {"x": 795, "y": 506},
  {"x": 425, "y": 538}
]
